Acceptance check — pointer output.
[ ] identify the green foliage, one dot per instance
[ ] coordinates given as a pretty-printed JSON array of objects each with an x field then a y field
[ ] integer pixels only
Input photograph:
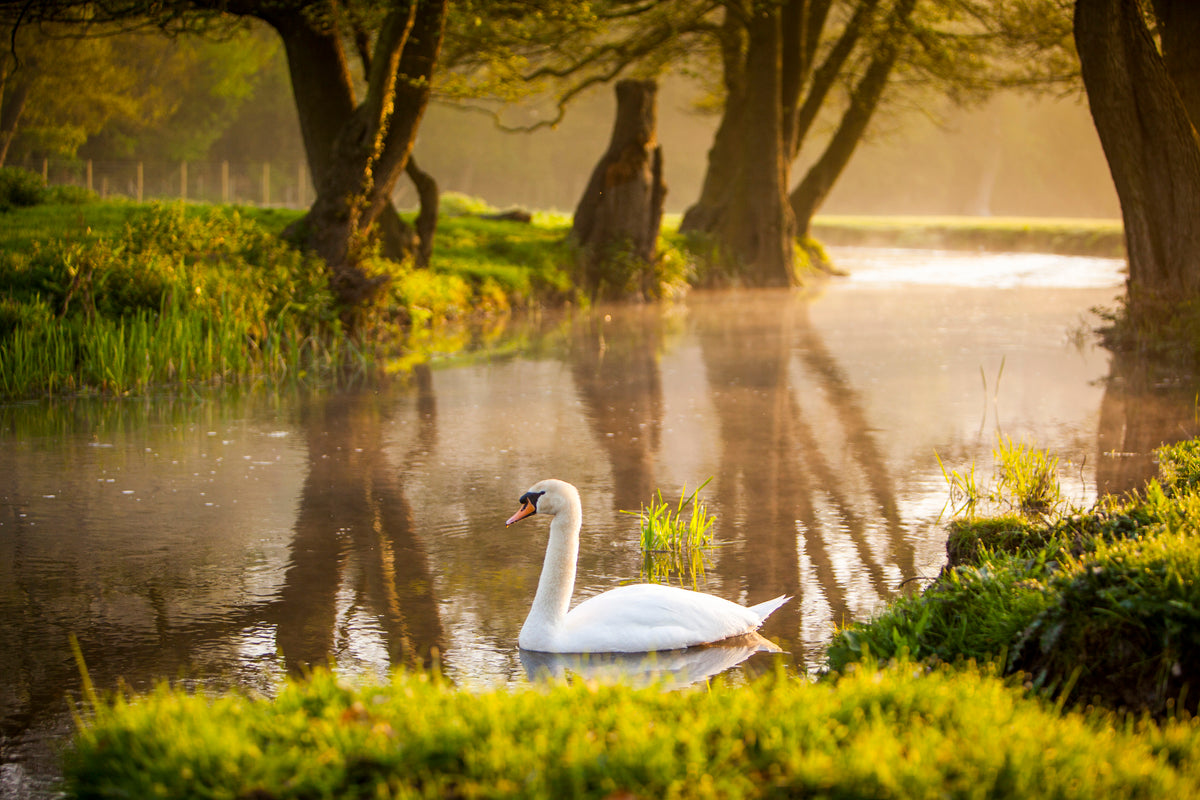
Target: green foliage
[
  {"x": 674, "y": 544},
  {"x": 1125, "y": 624},
  {"x": 214, "y": 293},
  {"x": 1179, "y": 467},
  {"x": 888, "y": 734},
  {"x": 971, "y": 612},
  {"x": 20, "y": 188},
  {"x": 183, "y": 295},
  {"x": 528, "y": 262}
]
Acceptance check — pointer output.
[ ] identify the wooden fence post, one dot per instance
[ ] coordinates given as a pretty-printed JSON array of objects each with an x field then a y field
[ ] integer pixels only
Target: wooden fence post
[
  {"x": 266, "y": 183},
  {"x": 89, "y": 174},
  {"x": 183, "y": 181},
  {"x": 46, "y": 170},
  {"x": 225, "y": 182},
  {"x": 140, "y": 181}
]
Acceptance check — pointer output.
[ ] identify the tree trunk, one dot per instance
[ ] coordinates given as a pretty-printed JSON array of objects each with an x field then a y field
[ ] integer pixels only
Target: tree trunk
[
  {"x": 14, "y": 91},
  {"x": 756, "y": 230},
  {"x": 357, "y": 152},
  {"x": 1151, "y": 146},
  {"x": 743, "y": 202},
  {"x": 427, "y": 192},
  {"x": 817, "y": 183},
  {"x": 1179, "y": 32},
  {"x": 619, "y": 215},
  {"x": 726, "y": 150}
]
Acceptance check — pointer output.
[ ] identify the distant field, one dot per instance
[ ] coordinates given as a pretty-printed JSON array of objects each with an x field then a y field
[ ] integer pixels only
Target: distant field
[{"x": 1082, "y": 237}]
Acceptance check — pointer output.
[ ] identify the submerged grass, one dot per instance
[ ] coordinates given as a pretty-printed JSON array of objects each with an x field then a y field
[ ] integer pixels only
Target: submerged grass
[
  {"x": 894, "y": 733},
  {"x": 674, "y": 544}
]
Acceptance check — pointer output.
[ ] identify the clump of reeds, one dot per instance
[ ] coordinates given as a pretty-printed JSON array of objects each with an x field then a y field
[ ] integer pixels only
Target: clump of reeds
[
  {"x": 675, "y": 537},
  {"x": 1025, "y": 480}
]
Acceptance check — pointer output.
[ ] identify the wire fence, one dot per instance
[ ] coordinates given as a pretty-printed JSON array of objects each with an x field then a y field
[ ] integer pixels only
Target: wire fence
[{"x": 242, "y": 183}]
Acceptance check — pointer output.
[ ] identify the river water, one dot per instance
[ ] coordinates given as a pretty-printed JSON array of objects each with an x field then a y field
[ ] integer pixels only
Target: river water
[{"x": 227, "y": 540}]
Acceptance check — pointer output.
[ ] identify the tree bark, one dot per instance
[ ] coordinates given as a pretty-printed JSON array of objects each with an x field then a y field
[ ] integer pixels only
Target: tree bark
[
  {"x": 1179, "y": 33},
  {"x": 1151, "y": 146},
  {"x": 357, "y": 152},
  {"x": 726, "y": 150},
  {"x": 619, "y": 215},
  {"x": 427, "y": 192},
  {"x": 756, "y": 229},
  {"x": 808, "y": 196}
]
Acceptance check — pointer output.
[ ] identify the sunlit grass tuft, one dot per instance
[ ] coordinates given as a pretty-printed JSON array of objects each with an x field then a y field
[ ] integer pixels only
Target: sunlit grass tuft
[{"x": 673, "y": 542}]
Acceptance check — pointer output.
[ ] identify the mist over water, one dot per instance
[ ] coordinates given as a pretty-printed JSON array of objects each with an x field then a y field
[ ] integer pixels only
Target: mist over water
[{"x": 229, "y": 540}]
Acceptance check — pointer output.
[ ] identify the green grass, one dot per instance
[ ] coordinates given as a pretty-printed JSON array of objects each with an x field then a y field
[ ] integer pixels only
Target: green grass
[
  {"x": 1099, "y": 607},
  {"x": 118, "y": 297},
  {"x": 890, "y": 734}
]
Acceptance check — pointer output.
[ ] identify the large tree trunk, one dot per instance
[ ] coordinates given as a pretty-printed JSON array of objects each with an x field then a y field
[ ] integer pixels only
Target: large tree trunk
[
  {"x": 1151, "y": 145},
  {"x": 621, "y": 209},
  {"x": 726, "y": 151},
  {"x": 358, "y": 151},
  {"x": 756, "y": 229},
  {"x": 743, "y": 203}
]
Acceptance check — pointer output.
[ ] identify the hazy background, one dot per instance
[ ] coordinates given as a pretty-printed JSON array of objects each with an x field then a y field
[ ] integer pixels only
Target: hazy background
[{"x": 1016, "y": 155}]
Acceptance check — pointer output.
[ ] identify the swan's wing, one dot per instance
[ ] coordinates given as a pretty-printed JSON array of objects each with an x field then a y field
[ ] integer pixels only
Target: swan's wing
[{"x": 647, "y": 616}]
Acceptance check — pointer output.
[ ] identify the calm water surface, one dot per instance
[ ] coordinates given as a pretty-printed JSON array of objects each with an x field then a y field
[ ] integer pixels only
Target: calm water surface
[{"x": 226, "y": 541}]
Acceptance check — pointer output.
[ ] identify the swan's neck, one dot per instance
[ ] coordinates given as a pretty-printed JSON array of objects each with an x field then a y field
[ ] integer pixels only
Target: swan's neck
[{"x": 558, "y": 575}]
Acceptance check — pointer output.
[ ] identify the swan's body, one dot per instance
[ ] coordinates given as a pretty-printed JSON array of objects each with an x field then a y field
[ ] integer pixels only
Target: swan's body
[{"x": 628, "y": 619}]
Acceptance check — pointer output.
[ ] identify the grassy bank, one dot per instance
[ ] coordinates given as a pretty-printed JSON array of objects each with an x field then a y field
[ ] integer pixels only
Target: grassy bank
[
  {"x": 1093, "y": 607},
  {"x": 1075, "y": 237},
  {"x": 889, "y": 734},
  {"x": 118, "y": 298}
]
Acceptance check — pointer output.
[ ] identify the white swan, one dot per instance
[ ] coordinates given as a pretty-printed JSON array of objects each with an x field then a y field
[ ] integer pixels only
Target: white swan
[{"x": 629, "y": 619}]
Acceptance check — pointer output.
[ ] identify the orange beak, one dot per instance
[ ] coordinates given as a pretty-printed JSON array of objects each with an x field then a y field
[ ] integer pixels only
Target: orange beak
[{"x": 527, "y": 509}]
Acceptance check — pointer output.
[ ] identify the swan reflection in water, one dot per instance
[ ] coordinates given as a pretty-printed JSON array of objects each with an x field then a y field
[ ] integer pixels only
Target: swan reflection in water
[{"x": 670, "y": 669}]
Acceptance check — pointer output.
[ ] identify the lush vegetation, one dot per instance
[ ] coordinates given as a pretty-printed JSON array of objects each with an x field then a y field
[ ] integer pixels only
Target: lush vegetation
[
  {"x": 1101, "y": 606},
  {"x": 120, "y": 297},
  {"x": 897, "y": 733}
]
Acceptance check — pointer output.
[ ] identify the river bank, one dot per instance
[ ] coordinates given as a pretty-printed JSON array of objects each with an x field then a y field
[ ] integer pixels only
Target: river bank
[{"x": 117, "y": 297}]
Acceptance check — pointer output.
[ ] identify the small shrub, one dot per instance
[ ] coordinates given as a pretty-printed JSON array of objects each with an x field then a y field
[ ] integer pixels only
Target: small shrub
[
  {"x": 457, "y": 204},
  {"x": 1027, "y": 477},
  {"x": 69, "y": 195},
  {"x": 20, "y": 188}
]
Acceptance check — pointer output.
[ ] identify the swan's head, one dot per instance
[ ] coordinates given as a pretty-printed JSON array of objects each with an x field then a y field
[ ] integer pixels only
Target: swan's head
[{"x": 549, "y": 497}]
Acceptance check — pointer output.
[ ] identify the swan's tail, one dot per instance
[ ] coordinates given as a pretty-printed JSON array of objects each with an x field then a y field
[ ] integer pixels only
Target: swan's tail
[{"x": 765, "y": 609}]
